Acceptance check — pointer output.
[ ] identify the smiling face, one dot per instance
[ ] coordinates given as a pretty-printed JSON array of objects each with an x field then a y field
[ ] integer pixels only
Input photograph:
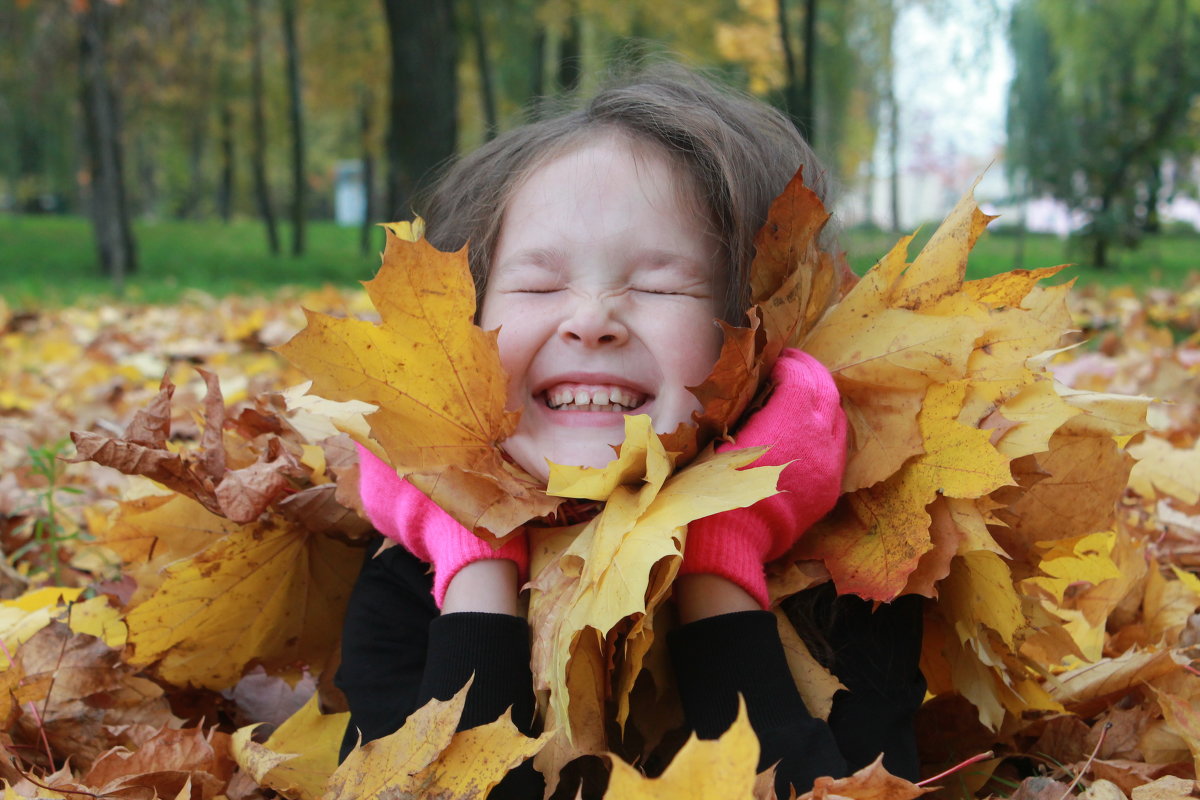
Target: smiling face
[{"x": 604, "y": 285}]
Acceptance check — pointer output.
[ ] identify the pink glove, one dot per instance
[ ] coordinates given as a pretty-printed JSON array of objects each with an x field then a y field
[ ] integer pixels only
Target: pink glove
[
  {"x": 402, "y": 513},
  {"x": 803, "y": 423}
]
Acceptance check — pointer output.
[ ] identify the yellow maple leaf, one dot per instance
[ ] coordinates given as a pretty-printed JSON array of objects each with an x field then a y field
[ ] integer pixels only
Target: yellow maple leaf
[
  {"x": 720, "y": 769},
  {"x": 1082, "y": 559},
  {"x": 437, "y": 381},
  {"x": 426, "y": 758},
  {"x": 876, "y": 542},
  {"x": 620, "y": 566},
  {"x": 196, "y": 625},
  {"x": 299, "y": 757}
]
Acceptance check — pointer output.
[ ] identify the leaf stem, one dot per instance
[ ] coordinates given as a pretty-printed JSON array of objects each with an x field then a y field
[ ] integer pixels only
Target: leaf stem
[{"x": 972, "y": 760}]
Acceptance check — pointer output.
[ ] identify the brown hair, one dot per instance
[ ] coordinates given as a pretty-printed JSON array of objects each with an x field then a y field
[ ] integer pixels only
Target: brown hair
[{"x": 739, "y": 151}]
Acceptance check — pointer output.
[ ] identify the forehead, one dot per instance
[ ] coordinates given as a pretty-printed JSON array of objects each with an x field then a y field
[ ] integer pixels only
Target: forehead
[{"x": 607, "y": 156}]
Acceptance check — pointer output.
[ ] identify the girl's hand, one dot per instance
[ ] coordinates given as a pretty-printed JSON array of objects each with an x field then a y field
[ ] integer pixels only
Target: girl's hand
[
  {"x": 803, "y": 423},
  {"x": 402, "y": 513}
]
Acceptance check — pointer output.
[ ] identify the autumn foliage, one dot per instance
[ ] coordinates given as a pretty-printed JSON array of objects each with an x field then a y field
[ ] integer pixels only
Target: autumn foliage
[{"x": 171, "y": 621}]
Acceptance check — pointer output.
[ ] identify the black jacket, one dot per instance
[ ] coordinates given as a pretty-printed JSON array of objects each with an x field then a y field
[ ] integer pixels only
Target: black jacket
[{"x": 398, "y": 653}]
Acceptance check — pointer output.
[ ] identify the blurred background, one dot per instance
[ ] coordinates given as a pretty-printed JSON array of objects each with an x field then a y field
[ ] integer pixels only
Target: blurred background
[{"x": 151, "y": 146}]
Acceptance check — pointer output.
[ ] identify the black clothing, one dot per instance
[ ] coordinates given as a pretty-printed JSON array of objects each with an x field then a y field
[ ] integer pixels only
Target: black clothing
[{"x": 398, "y": 653}]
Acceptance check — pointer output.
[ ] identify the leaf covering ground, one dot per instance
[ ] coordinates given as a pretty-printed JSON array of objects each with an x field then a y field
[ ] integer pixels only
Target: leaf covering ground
[{"x": 1014, "y": 482}]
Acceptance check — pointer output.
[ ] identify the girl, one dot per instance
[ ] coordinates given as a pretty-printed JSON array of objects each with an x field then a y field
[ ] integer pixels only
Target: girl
[{"x": 603, "y": 244}]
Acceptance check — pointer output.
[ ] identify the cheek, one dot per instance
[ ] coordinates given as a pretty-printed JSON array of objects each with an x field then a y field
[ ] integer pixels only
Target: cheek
[{"x": 695, "y": 349}]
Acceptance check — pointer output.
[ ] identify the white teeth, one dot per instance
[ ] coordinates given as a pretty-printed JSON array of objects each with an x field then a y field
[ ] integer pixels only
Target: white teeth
[{"x": 608, "y": 398}]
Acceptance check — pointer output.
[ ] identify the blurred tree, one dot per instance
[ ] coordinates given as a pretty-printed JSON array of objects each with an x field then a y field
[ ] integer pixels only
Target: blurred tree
[
  {"x": 1099, "y": 106},
  {"x": 296, "y": 123},
  {"x": 102, "y": 134},
  {"x": 39, "y": 107},
  {"x": 800, "y": 86},
  {"x": 423, "y": 105},
  {"x": 262, "y": 190}
]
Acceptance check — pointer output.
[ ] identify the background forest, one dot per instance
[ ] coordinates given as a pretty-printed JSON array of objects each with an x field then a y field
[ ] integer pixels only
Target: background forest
[{"x": 237, "y": 116}]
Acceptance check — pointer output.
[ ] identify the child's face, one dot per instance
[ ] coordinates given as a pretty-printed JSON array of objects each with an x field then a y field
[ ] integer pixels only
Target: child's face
[{"x": 605, "y": 286}]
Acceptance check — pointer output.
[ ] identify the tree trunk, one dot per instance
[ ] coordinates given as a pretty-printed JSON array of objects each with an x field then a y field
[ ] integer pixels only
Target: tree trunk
[
  {"x": 225, "y": 188},
  {"x": 226, "y": 184},
  {"x": 487, "y": 96},
  {"x": 262, "y": 192},
  {"x": 102, "y": 133},
  {"x": 807, "y": 111},
  {"x": 366, "y": 130},
  {"x": 191, "y": 198},
  {"x": 570, "y": 57},
  {"x": 423, "y": 109},
  {"x": 799, "y": 90},
  {"x": 296, "y": 114},
  {"x": 893, "y": 122},
  {"x": 893, "y": 156},
  {"x": 537, "y": 75}
]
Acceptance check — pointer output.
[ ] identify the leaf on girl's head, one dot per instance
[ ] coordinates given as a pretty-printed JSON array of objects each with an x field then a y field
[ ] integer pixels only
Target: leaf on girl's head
[{"x": 437, "y": 381}]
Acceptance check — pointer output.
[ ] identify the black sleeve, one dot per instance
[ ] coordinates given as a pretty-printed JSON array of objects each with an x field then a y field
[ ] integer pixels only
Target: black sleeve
[
  {"x": 398, "y": 653},
  {"x": 718, "y": 658},
  {"x": 385, "y": 637},
  {"x": 876, "y": 656}
]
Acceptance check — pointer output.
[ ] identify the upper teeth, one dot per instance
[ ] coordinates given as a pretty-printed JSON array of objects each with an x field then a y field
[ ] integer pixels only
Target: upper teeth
[{"x": 559, "y": 396}]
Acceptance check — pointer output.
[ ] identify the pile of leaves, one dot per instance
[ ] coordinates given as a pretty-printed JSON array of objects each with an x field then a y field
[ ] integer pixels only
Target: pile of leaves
[{"x": 1017, "y": 482}]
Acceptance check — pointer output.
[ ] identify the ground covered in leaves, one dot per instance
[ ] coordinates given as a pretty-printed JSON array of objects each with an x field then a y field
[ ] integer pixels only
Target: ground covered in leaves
[{"x": 132, "y": 666}]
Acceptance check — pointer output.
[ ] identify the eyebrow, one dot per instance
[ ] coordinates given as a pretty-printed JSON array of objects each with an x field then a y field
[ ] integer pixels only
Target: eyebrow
[{"x": 546, "y": 257}]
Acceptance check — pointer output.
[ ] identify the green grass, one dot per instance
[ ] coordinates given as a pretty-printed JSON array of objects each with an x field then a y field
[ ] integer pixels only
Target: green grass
[
  {"x": 52, "y": 261},
  {"x": 1169, "y": 260}
]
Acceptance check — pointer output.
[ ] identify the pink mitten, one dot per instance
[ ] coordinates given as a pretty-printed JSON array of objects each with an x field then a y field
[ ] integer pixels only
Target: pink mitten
[
  {"x": 402, "y": 513},
  {"x": 803, "y": 423}
]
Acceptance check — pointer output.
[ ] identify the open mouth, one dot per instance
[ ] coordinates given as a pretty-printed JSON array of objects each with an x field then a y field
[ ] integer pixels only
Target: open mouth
[{"x": 585, "y": 397}]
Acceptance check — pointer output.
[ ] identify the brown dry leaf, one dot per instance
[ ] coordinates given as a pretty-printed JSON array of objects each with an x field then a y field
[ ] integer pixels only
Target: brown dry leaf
[
  {"x": 436, "y": 380},
  {"x": 1094, "y": 683},
  {"x": 1184, "y": 719},
  {"x": 166, "y": 763},
  {"x": 717, "y": 769},
  {"x": 872, "y": 782},
  {"x": 427, "y": 759},
  {"x": 1082, "y": 475},
  {"x": 84, "y": 699},
  {"x": 239, "y": 494},
  {"x": 195, "y": 623},
  {"x": 299, "y": 757}
]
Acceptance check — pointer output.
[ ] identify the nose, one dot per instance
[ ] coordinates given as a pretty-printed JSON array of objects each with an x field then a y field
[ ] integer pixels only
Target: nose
[{"x": 594, "y": 321}]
